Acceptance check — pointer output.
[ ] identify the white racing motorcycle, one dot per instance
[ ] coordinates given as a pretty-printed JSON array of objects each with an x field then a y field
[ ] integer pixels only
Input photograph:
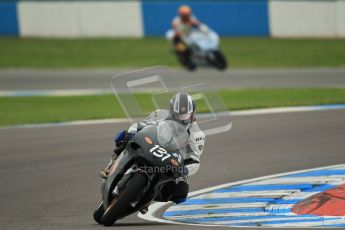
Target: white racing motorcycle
[{"x": 202, "y": 49}]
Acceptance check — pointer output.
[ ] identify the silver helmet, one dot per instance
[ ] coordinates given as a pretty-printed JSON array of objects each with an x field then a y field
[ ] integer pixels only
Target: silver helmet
[{"x": 182, "y": 109}]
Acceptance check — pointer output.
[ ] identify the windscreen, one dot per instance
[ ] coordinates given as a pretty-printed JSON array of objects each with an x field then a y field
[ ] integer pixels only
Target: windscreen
[{"x": 171, "y": 135}]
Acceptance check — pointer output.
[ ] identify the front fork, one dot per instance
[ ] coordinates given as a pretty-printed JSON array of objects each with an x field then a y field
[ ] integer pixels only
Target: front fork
[{"x": 126, "y": 177}]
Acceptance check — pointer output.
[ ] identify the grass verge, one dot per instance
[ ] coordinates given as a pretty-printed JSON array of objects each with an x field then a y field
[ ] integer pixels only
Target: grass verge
[
  {"x": 98, "y": 53},
  {"x": 28, "y": 110}
]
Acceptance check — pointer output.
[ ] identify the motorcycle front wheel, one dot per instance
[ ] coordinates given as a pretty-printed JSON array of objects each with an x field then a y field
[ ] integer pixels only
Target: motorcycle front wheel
[
  {"x": 220, "y": 60},
  {"x": 98, "y": 213},
  {"x": 120, "y": 204}
]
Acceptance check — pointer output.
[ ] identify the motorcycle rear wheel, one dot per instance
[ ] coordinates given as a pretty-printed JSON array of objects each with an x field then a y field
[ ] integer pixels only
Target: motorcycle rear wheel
[{"x": 120, "y": 204}]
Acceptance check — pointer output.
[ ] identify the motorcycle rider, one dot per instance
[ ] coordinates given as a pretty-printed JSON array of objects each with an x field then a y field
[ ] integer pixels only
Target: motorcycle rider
[
  {"x": 181, "y": 25},
  {"x": 183, "y": 110}
]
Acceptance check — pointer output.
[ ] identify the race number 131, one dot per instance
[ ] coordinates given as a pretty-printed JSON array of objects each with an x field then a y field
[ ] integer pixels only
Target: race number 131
[{"x": 160, "y": 152}]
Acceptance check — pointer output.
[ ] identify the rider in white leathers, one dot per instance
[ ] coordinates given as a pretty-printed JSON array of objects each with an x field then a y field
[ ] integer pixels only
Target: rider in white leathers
[
  {"x": 195, "y": 143},
  {"x": 181, "y": 25},
  {"x": 183, "y": 110}
]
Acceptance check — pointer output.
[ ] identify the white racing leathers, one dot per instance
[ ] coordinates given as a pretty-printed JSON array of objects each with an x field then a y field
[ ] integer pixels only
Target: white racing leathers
[{"x": 195, "y": 144}]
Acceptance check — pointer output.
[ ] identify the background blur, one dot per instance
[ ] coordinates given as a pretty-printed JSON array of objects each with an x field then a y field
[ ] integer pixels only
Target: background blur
[
  {"x": 268, "y": 18},
  {"x": 58, "y": 50},
  {"x": 57, "y": 109}
]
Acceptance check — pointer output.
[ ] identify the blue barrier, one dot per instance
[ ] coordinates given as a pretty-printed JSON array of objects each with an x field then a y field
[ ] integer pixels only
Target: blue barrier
[
  {"x": 228, "y": 18},
  {"x": 8, "y": 19}
]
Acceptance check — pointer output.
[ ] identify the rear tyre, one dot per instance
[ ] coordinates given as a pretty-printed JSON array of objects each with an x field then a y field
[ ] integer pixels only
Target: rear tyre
[
  {"x": 98, "y": 213},
  {"x": 120, "y": 205}
]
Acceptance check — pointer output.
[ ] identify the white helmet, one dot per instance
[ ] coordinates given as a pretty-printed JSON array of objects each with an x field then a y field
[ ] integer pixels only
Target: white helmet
[{"x": 182, "y": 109}]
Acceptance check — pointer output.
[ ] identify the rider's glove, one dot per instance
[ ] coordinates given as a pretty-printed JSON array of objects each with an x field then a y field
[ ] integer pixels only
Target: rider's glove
[
  {"x": 121, "y": 141},
  {"x": 122, "y": 137}
]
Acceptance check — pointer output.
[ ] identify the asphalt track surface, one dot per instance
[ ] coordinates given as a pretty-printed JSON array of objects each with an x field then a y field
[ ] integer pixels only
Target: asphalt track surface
[
  {"x": 49, "y": 176},
  {"x": 100, "y": 79}
]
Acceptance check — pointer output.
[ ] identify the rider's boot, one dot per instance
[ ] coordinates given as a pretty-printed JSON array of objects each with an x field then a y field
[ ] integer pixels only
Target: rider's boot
[
  {"x": 121, "y": 141},
  {"x": 145, "y": 208},
  {"x": 105, "y": 172}
]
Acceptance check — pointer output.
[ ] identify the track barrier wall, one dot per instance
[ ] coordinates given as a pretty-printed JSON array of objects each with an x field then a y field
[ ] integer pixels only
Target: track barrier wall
[{"x": 78, "y": 19}]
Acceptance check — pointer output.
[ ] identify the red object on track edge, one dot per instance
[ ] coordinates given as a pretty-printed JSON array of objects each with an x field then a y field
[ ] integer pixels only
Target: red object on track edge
[{"x": 327, "y": 203}]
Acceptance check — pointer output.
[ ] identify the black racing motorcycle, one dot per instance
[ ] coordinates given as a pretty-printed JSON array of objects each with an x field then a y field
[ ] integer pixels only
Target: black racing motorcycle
[{"x": 152, "y": 160}]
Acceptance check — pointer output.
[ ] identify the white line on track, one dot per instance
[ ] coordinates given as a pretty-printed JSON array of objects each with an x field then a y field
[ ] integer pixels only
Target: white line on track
[
  {"x": 210, "y": 215},
  {"x": 154, "y": 211},
  {"x": 262, "y": 193},
  {"x": 56, "y": 92},
  {"x": 235, "y": 113},
  {"x": 301, "y": 180},
  {"x": 217, "y": 206},
  {"x": 300, "y": 195},
  {"x": 65, "y": 92},
  {"x": 232, "y": 222}
]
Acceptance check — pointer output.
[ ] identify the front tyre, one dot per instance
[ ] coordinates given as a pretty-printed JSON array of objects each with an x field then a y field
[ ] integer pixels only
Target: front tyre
[
  {"x": 185, "y": 59},
  {"x": 120, "y": 204},
  {"x": 98, "y": 213},
  {"x": 220, "y": 60}
]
